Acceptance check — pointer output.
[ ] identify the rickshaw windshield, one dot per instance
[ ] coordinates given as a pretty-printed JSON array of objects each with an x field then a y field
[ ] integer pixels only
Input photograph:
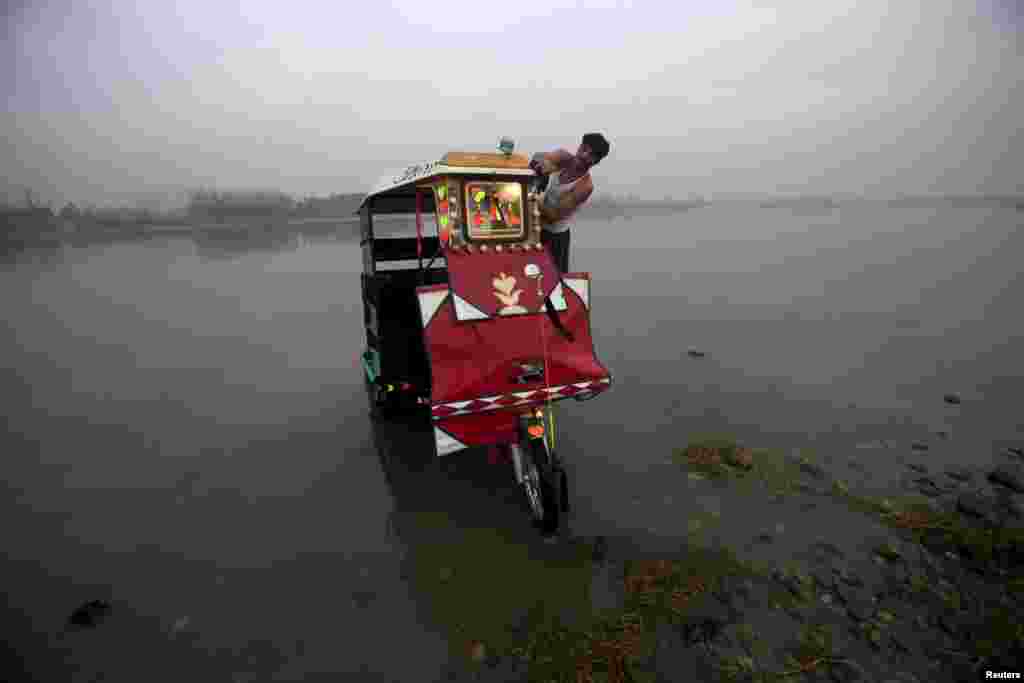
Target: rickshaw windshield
[{"x": 494, "y": 210}]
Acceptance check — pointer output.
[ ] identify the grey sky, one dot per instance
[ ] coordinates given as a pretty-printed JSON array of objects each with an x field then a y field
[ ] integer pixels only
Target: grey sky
[{"x": 110, "y": 100}]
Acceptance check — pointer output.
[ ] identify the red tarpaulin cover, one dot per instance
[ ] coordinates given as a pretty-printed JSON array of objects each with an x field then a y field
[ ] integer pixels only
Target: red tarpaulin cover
[
  {"x": 496, "y": 283},
  {"x": 476, "y": 358}
]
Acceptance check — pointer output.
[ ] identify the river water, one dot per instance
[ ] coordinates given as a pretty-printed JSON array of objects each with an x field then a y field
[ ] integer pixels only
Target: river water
[{"x": 185, "y": 431}]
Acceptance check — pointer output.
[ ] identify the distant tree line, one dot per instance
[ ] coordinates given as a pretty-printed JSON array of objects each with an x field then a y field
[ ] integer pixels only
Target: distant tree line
[{"x": 221, "y": 205}]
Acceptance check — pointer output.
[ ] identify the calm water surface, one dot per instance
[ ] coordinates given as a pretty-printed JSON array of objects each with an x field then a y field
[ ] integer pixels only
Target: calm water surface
[{"x": 185, "y": 429}]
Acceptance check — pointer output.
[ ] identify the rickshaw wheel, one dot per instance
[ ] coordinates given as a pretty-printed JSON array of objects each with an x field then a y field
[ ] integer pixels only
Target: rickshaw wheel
[
  {"x": 544, "y": 499},
  {"x": 563, "y": 488},
  {"x": 562, "y": 478}
]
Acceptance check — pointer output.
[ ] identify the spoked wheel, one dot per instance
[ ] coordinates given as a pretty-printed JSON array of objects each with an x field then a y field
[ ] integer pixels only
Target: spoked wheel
[{"x": 542, "y": 482}]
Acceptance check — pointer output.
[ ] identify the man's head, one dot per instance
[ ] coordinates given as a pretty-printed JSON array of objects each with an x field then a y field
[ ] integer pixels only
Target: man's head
[{"x": 593, "y": 149}]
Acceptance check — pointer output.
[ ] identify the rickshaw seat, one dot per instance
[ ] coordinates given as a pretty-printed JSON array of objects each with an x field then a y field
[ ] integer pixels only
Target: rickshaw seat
[{"x": 393, "y": 293}]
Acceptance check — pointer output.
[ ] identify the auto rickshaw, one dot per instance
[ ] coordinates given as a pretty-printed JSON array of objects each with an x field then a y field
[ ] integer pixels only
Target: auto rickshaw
[{"x": 487, "y": 335}]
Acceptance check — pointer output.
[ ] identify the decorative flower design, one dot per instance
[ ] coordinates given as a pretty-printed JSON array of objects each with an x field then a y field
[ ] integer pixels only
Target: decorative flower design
[{"x": 508, "y": 295}]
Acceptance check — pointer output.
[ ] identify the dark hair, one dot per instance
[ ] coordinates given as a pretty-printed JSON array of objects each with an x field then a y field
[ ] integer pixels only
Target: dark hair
[{"x": 596, "y": 142}]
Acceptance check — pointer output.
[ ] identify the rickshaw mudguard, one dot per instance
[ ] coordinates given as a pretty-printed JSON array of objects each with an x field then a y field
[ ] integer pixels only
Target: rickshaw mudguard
[
  {"x": 478, "y": 386},
  {"x": 483, "y": 429}
]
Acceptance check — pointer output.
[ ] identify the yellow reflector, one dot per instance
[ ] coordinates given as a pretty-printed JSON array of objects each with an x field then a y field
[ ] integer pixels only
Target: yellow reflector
[
  {"x": 443, "y": 220},
  {"x": 442, "y": 191},
  {"x": 536, "y": 431}
]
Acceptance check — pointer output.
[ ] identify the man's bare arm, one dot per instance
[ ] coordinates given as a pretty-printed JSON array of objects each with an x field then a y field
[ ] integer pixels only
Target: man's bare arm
[
  {"x": 570, "y": 200},
  {"x": 549, "y": 162},
  {"x": 582, "y": 191}
]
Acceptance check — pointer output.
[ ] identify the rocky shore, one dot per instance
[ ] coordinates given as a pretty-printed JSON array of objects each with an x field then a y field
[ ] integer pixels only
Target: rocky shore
[{"x": 930, "y": 588}]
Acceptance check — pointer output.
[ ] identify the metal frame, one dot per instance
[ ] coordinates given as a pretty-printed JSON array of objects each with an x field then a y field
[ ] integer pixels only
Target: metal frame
[
  {"x": 376, "y": 281},
  {"x": 366, "y": 239}
]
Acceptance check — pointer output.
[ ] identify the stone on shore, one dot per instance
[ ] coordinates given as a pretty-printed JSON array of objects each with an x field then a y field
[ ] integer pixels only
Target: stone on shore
[
  {"x": 952, "y": 399},
  {"x": 982, "y": 506},
  {"x": 959, "y": 473},
  {"x": 1009, "y": 475},
  {"x": 847, "y": 671},
  {"x": 927, "y": 486},
  {"x": 860, "y": 607},
  {"x": 812, "y": 469},
  {"x": 825, "y": 580},
  {"x": 90, "y": 614}
]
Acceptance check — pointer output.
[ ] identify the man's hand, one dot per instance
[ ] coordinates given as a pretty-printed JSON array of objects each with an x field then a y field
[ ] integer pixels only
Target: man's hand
[{"x": 544, "y": 164}]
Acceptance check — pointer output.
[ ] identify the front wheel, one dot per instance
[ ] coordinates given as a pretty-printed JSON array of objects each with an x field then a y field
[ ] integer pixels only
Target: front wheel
[{"x": 543, "y": 484}]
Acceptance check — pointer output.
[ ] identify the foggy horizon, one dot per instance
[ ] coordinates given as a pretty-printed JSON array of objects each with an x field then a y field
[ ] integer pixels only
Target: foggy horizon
[{"x": 112, "y": 103}]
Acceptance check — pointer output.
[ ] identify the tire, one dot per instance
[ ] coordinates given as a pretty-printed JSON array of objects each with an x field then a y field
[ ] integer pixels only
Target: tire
[
  {"x": 543, "y": 485},
  {"x": 562, "y": 481},
  {"x": 563, "y": 488}
]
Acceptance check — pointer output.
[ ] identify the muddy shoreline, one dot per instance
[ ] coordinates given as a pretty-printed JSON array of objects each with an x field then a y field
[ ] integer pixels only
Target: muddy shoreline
[{"x": 927, "y": 586}]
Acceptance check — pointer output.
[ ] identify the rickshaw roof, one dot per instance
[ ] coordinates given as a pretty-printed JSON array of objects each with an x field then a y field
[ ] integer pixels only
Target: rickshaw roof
[{"x": 401, "y": 185}]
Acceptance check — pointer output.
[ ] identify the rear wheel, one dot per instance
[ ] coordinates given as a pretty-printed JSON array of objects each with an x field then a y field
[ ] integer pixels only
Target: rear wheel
[{"x": 542, "y": 482}]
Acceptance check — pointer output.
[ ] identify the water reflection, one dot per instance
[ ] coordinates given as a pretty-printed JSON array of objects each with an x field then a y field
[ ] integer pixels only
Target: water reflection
[
  {"x": 212, "y": 241},
  {"x": 188, "y": 439},
  {"x": 225, "y": 245},
  {"x": 473, "y": 560},
  {"x": 226, "y": 242},
  {"x": 465, "y": 487}
]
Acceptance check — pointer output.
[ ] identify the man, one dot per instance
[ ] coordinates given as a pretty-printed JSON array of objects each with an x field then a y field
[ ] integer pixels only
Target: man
[{"x": 570, "y": 185}]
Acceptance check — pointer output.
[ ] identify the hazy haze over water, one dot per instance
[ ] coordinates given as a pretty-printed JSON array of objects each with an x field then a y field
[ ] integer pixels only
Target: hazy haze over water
[{"x": 109, "y": 101}]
